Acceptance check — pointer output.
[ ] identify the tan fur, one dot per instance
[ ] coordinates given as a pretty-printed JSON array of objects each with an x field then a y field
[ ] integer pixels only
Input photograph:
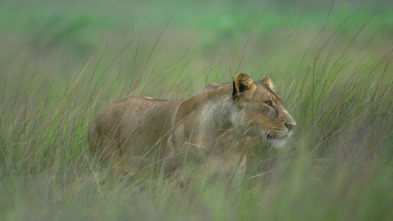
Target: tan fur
[{"x": 216, "y": 124}]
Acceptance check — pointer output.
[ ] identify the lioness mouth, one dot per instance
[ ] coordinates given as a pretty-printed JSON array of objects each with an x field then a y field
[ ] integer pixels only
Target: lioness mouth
[
  {"x": 274, "y": 137},
  {"x": 276, "y": 141},
  {"x": 269, "y": 136}
]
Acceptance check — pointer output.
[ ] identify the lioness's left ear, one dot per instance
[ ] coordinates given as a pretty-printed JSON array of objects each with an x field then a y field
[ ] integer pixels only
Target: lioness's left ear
[
  {"x": 266, "y": 81},
  {"x": 243, "y": 86}
]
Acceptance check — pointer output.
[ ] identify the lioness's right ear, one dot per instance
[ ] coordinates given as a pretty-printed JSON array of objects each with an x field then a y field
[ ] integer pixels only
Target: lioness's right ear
[
  {"x": 243, "y": 87},
  {"x": 266, "y": 81}
]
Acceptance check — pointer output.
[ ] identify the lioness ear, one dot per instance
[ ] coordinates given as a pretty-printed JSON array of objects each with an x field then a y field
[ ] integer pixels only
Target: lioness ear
[
  {"x": 243, "y": 86},
  {"x": 266, "y": 81}
]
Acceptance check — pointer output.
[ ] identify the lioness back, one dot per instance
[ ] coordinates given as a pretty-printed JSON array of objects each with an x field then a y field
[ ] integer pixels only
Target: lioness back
[{"x": 138, "y": 121}]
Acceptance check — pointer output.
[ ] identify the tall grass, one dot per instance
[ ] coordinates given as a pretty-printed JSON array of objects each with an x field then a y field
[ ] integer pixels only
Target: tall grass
[{"x": 337, "y": 166}]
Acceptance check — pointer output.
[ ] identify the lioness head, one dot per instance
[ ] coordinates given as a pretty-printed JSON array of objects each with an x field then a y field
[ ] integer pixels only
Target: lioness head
[{"x": 260, "y": 110}]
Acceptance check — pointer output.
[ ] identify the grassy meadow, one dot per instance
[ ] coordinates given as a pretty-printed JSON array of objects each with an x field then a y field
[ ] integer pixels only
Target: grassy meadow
[{"x": 331, "y": 62}]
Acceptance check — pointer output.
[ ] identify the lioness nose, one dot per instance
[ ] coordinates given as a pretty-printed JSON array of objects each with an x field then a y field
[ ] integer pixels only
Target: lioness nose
[
  {"x": 290, "y": 123},
  {"x": 289, "y": 126}
]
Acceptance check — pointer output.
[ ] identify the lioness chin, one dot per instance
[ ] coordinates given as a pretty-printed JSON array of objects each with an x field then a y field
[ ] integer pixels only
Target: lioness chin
[{"x": 214, "y": 127}]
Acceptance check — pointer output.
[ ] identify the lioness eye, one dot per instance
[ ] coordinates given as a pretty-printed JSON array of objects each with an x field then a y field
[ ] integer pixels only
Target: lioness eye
[{"x": 269, "y": 103}]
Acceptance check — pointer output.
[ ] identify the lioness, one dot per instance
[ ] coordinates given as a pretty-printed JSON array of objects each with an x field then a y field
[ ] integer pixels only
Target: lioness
[{"x": 216, "y": 124}]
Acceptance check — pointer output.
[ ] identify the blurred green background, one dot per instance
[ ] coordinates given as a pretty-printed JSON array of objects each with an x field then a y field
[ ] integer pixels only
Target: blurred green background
[
  {"x": 72, "y": 30},
  {"x": 60, "y": 61}
]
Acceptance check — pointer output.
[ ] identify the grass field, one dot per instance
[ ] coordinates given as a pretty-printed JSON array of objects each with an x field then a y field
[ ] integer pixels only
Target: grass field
[{"x": 330, "y": 61}]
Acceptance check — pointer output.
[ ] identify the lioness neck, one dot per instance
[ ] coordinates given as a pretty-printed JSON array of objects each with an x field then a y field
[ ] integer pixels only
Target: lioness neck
[
  {"x": 216, "y": 113},
  {"x": 210, "y": 110}
]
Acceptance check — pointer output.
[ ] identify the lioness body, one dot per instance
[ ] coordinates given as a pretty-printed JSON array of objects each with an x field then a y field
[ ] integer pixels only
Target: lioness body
[{"x": 215, "y": 124}]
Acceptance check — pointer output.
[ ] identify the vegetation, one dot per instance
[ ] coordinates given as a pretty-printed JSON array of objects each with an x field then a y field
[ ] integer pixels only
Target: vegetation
[{"x": 330, "y": 61}]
